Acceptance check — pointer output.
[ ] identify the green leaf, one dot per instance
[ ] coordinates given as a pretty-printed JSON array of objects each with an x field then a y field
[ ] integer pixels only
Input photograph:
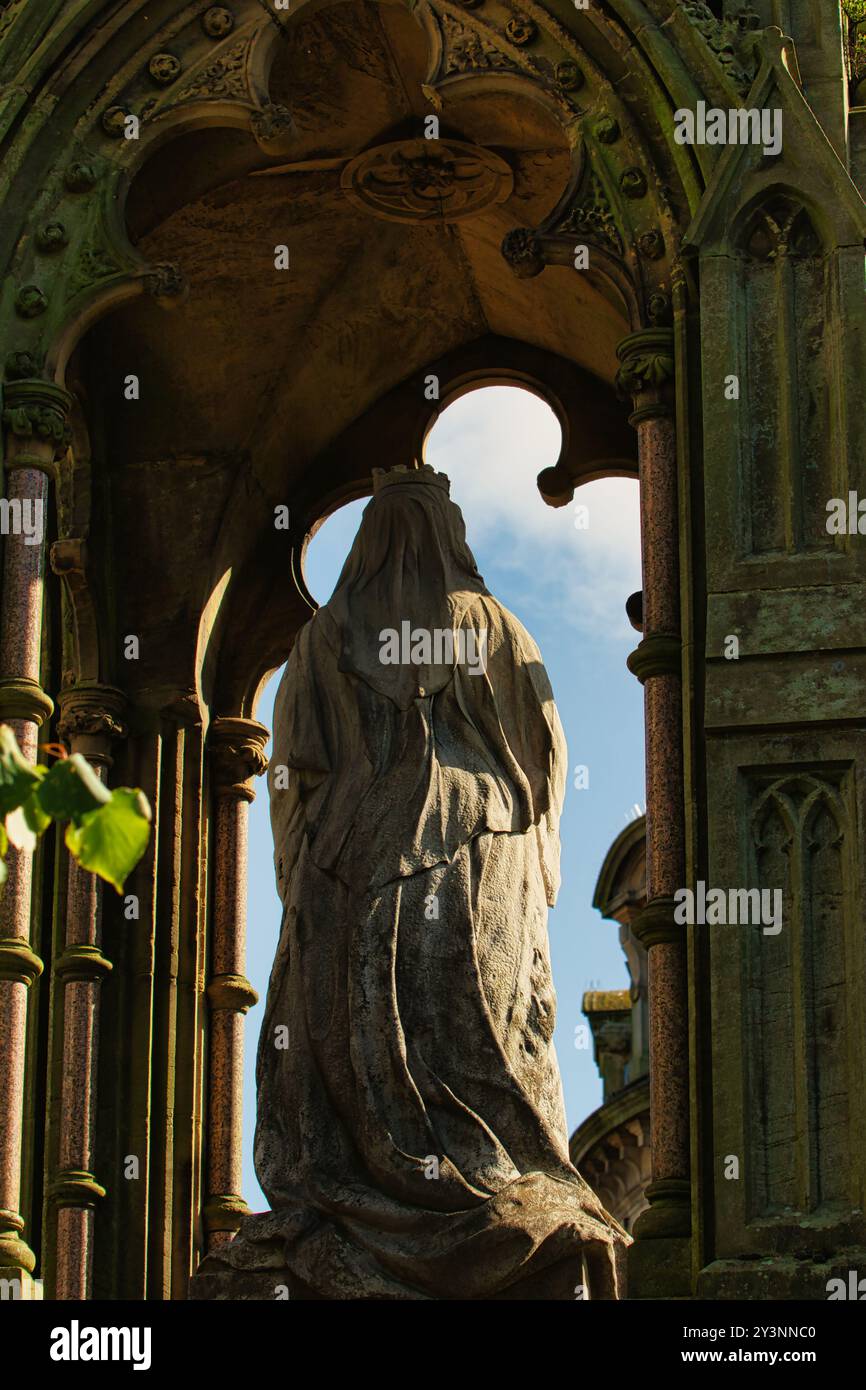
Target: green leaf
[
  {"x": 17, "y": 776},
  {"x": 71, "y": 789},
  {"x": 110, "y": 840}
]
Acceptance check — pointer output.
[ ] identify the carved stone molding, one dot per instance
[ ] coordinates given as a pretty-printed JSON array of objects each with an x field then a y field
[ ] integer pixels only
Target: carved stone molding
[
  {"x": 236, "y": 748},
  {"x": 22, "y": 697},
  {"x": 76, "y": 1187},
  {"x": 426, "y": 180},
  {"x": 232, "y": 992},
  {"x": 660, "y": 654},
  {"x": 18, "y": 963}
]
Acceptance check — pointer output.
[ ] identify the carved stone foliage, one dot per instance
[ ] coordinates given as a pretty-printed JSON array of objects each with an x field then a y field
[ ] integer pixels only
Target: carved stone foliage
[
  {"x": 591, "y": 214},
  {"x": 800, "y": 1056},
  {"x": 37, "y": 410},
  {"x": 789, "y": 457},
  {"x": 476, "y": 47},
  {"x": 223, "y": 77},
  {"x": 731, "y": 39},
  {"x": 426, "y": 181},
  {"x": 647, "y": 362},
  {"x": 466, "y": 50}
]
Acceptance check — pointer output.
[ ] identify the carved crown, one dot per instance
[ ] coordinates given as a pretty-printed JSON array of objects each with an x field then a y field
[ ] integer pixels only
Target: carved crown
[{"x": 415, "y": 473}]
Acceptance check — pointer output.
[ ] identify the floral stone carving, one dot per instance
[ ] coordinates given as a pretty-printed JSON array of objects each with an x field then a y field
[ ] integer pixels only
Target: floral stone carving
[{"x": 426, "y": 181}]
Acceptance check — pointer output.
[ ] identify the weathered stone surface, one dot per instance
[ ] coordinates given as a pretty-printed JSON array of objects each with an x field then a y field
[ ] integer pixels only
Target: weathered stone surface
[{"x": 411, "y": 1132}]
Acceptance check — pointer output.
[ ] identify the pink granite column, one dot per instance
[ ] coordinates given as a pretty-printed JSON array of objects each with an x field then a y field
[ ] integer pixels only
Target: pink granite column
[
  {"x": 34, "y": 420},
  {"x": 89, "y": 719},
  {"x": 236, "y": 756},
  {"x": 646, "y": 375}
]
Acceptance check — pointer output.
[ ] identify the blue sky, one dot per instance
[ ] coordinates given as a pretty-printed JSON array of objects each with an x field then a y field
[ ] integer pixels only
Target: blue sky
[{"x": 568, "y": 586}]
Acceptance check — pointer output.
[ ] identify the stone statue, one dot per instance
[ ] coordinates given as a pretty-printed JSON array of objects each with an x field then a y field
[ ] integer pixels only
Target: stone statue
[{"x": 411, "y": 1133}]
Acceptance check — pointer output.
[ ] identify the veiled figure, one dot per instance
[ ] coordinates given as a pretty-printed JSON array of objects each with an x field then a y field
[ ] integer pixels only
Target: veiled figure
[{"x": 411, "y": 1133}]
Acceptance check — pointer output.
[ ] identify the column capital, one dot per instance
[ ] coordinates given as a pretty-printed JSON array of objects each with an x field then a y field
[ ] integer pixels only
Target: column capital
[
  {"x": 90, "y": 717},
  {"x": 236, "y": 747},
  {"x": 646, "y": 371},
  {"x": 35, "y": 415}
]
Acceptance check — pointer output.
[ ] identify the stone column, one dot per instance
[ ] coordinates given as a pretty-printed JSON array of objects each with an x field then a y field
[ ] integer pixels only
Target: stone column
[
  {"x": 646, "y": 372},
  {"x": 89, "y": 719},
  {"x": 34, "y": 420},
  {"x": 236, "y": 756}
]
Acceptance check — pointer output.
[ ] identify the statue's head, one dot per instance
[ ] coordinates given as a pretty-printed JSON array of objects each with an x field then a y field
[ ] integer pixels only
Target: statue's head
[{"x": 409, "y": 563}]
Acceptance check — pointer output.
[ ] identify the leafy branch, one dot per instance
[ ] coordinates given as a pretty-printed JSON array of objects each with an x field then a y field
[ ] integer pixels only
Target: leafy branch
[
  {"x": 855, "y": 11},
  {"x": 107, "y": 831}
]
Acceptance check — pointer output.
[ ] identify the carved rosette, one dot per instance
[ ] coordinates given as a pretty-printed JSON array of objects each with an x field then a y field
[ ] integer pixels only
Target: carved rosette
[
  {"x": 426, "y": 181},
  {"x": 521, "y": 248},
  {"x": 236, "y": 748},
  {"x": 166, "y": 283},
  {"x": 273, "y": 128}
]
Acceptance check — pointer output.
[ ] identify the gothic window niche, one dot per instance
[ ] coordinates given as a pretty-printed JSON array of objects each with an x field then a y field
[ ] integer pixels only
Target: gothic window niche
[
  {"x": 799, "y": 1044},
  {"x": 791, "y": 391}
]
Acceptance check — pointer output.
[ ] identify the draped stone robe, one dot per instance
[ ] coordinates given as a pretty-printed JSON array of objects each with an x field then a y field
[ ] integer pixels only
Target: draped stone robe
[{"x": 411, "y": 1133}]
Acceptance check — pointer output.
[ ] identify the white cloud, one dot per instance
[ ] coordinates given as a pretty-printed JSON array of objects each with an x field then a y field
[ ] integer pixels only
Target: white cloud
[{"x": 492, "y": 443}]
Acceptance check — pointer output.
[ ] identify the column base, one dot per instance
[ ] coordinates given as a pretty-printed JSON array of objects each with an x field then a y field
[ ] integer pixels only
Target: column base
[
  {"x": 660, "y": 1261},
  {"x": 660, "y": 1268}
]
